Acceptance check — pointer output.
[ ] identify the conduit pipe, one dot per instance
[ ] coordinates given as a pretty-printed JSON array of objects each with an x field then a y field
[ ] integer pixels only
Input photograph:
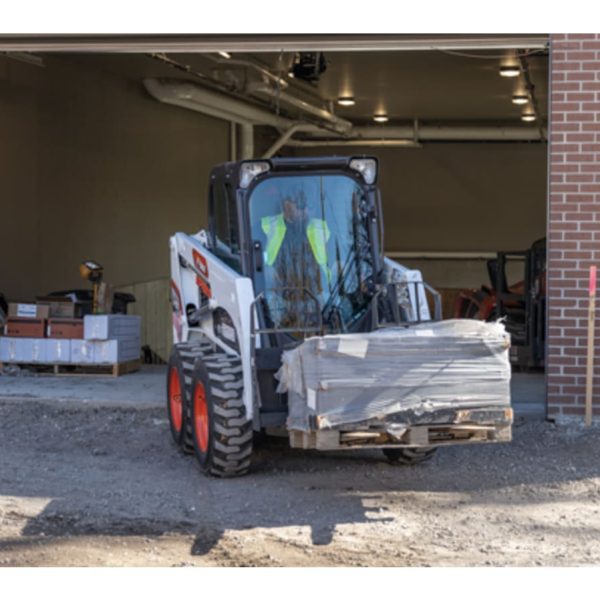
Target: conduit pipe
[
  {"x": 215, "y": 104},
  {"x": 246, "y": 141},
  {"x": 362, "y": 142},
  {"x": 337, "y": 123},
  {"x": 440, "y": 133},
  {"x": 286, "y": 137}
]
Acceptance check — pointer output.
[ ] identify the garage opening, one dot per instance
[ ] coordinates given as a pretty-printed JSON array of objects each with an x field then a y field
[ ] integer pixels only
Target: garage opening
[{"x": 107, "y": 154}]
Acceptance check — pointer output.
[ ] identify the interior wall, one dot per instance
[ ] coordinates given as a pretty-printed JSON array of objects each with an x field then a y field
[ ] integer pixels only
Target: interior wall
[
  {"x": 95, "y": 168},
  {"x": 18, "y": 175}
]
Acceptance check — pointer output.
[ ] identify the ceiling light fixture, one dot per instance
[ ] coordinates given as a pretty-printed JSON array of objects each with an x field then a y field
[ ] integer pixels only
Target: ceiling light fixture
[
  {"x": 224, "y": 54},
  {"x": 510, "y": 71},
  {"x": 528, "y": 117},
  {"x": 346, "y": 101},
  {"x": 381, "y": 118},
  {"x": 291, "y": 74},
  {"x": 520, "y": 99}
]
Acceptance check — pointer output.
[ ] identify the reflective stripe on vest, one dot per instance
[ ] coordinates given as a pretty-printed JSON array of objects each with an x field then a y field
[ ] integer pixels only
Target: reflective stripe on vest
[
  {"x": 274, "y": 228},
  {"x": 317, "y": 233}
]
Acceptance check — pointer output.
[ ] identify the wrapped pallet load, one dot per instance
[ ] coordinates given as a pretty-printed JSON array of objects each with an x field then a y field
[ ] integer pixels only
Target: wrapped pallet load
[{"x": 402, "y": 371}]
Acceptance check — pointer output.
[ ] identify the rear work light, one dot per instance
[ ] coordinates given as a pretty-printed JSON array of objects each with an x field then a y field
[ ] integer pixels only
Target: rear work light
[
  {"x": 367, "y": 167},
  {"x": 250, "y": 170}
]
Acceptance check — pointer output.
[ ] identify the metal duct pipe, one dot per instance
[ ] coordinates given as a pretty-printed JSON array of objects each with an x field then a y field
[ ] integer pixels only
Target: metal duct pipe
[
  {"x": 286, "y": 136},
  {"x": 363, "y": 142},
  {"x": 232, "y": 142},
  {"x": 440, "y": 133},
  {"x": 246, "y": 141},
  {"x": 337, "y": 123},
  {"x": 215, "y": 104}
]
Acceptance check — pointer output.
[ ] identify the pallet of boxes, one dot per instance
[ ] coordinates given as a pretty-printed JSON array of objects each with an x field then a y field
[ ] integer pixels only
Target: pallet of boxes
[{"x": 47, "y": 336}]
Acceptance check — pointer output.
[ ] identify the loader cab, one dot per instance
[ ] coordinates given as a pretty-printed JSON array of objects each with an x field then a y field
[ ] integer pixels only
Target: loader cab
[{"x": 306, "y": 231}]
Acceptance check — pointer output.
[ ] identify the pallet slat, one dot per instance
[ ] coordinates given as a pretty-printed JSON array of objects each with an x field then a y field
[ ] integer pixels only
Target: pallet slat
[{"x": 62, "y": 370}]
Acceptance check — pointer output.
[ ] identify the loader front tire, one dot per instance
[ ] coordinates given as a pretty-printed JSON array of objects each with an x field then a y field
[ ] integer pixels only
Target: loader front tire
[
  {"x": 222, "y": 434},
  {"x": 408, "y": 456},
  {"x": 179, "y": 388}
]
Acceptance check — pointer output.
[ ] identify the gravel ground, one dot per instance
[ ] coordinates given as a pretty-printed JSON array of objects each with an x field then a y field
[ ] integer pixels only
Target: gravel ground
[{"x": 106, "y": 486}]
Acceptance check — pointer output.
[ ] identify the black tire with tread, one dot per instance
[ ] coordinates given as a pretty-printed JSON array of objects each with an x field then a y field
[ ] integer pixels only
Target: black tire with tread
[
  {"x": 408, "y": 456},
  {"x": 184, "y": 355},
  {"x": 230, "y": 432}
]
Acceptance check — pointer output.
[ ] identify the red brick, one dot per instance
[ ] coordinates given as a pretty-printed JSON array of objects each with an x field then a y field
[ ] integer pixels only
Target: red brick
[
  {"x": 579, "y": 76},
  {"x": 566, "y": 106},
  {"x": 575, "y": 198},
  {"x": 564, "y": 86},
  {"x": 582, "y": 97},
  {"x": 566, "y": 126},
  {"x": 586, "y": 55},
  {"x": 579, "y": 117},
  {"x": 581, "y": 157},
  {"x": 579, "y": 137}
]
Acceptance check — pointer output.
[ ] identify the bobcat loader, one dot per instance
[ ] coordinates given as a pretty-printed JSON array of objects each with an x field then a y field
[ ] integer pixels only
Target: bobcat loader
[{"x": 287, "y": 318}]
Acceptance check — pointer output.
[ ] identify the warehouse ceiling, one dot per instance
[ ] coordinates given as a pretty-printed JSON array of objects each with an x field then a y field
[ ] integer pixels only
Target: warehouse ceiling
[{"x": 433, "y": 85}]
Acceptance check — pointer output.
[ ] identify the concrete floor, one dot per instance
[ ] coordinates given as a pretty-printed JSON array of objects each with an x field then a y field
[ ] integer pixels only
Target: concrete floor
[{"x": 146, "y": 389}]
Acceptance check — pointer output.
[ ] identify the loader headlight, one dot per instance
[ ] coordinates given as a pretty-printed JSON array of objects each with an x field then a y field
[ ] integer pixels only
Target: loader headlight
[
  {"x": 367, "y": 167},
  {"x": 250, "y": 170}
]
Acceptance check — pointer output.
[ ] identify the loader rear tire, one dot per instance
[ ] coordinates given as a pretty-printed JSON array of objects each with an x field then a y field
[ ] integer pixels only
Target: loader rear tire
[
  {"x": 408, "y": 456},
  {"x": 179, "y": 383},
  {"x": 222, "y": 434}
]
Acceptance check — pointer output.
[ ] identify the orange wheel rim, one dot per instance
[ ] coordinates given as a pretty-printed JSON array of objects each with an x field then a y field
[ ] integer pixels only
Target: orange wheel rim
[
  {"x": 175, "y": 404},
  {"x": 201, "y": 417}
]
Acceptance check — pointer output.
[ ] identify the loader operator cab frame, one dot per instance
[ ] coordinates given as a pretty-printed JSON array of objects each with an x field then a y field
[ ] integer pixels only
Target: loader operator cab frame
[{"x": 307, "y": 232}]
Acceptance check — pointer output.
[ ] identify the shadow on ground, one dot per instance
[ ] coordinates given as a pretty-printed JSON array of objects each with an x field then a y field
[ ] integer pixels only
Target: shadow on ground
[{"x": 115, "y": 472}]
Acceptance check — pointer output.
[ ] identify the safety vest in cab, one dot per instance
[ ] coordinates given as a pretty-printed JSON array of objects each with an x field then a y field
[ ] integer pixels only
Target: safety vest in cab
[{"x": 317, "y": 233}]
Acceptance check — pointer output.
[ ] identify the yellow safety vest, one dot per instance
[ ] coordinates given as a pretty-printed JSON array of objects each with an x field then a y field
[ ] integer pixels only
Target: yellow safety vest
[{"x": 317, "y": 233}]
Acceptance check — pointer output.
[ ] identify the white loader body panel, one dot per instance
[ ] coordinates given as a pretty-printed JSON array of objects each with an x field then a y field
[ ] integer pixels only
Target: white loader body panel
[{"x": 209, "y": 284}]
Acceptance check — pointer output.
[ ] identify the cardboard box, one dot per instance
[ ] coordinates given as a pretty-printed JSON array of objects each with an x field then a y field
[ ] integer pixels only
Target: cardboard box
[
  {"x": 65, "y": 328},
  {"x": 111, "y": 327},
  {"x": 22, "y": 350},
  {"x": 58, "y": 306},
  {"x": 58, "y": 351},
  {"x": 25, "y": 327},
  {"x": 27, "y": 310}
]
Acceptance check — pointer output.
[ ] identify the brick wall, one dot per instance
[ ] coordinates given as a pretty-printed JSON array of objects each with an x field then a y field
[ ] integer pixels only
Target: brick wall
[{"x": 574, "y": 218}]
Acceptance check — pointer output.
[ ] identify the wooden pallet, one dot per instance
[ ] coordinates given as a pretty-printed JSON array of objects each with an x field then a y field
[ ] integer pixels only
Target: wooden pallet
[{"x": 112, "y": 370}]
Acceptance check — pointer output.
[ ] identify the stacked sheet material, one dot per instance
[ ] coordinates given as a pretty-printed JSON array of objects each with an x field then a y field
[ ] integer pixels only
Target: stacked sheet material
[{"x": 350, "y": 378}]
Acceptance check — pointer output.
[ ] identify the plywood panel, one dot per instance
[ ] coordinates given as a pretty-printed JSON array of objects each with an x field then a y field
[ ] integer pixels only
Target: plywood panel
[{"x": 152, "y": 304}]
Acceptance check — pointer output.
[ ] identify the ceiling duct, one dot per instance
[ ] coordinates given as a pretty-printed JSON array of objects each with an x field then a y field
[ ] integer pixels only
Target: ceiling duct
[
  {"x": 432, "y": 133},
  {"x": 330, "y": 120},
  {"x": 215, "y": 104}
]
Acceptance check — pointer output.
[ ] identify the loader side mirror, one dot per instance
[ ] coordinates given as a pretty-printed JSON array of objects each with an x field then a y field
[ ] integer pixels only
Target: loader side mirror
[{"x": 258, "y": 255}]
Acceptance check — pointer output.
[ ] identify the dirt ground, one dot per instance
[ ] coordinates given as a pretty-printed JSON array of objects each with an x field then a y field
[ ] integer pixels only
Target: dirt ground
[{"x": 106, "y": 486}]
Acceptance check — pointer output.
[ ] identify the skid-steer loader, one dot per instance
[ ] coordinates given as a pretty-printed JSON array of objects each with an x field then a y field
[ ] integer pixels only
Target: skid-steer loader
[{"x": 287, "y": 318}]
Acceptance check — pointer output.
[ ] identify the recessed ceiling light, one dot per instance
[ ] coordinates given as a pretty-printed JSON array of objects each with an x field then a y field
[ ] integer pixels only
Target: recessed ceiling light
[
  {"x": 346, "y": 101},
  {"x": 291, "y": 74},
  {"x": 528, "y": 117},
  {"x": 510, "y": 71},
  {"x": 225, "y": 54},
  {"x": 381, "y": 118},
  {"x": 520, "y": 99}
]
